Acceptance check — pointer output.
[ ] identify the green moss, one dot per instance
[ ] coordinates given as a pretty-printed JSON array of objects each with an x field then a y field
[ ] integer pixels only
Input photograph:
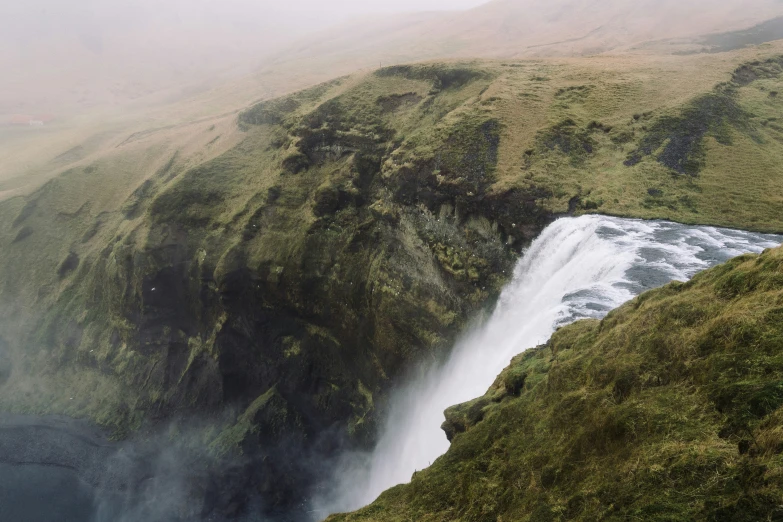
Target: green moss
[
  {"x": 671, "y": 408},
  {"x": 352, "y": 231},
  {"x": 442, "y": 76},
  {"x": 280, "y": 234},
  {"x": 274, "y": 112},
  {"x": 234, "y": 437},
  {"x": 568, "y": 139},
  {"x": 679, "y": 140},
  {"x": 471, "y": 152}
]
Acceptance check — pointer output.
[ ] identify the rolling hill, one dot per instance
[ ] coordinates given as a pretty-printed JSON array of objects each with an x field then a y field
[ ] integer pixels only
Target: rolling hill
[
  {"x": 277, "y": 270},
  {"x": 272, "y": 258},
  {"x": 529, "y": 28},
  {"x": 143, "y": 71}
]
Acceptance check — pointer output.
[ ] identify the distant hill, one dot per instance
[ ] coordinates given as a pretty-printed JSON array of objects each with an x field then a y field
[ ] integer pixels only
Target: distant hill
[
  {"x": 284, "y": 265},
  {"x": 67, "y": 57},
  {"x": 530, "y": 28},
  {"x": 169, "y": 51},
  {"x": 151, "y": 67}
]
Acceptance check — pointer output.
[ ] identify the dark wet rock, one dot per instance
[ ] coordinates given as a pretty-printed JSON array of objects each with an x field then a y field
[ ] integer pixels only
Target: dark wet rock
[
  {"x": 679, "y": 140},
  {"x": 282, "y": 300},
  {"x": 461, "y": 418},
  {"x": 329, "y": 200},
  {"x": 296, "y": 163},
  {"x": 69, "y": 264}
]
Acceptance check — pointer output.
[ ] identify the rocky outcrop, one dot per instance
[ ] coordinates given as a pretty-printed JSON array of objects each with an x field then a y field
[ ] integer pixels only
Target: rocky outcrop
[{"x": 280, "y": 288}]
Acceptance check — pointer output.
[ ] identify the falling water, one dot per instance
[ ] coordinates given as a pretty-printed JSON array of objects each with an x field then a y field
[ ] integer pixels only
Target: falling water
[{"x": 578, "y": 268}]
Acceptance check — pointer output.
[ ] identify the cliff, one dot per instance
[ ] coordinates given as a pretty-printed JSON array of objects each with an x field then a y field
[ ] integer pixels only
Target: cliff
[
  {"x": 276, "y": 290},
  {"x": 668, "y": 409}
]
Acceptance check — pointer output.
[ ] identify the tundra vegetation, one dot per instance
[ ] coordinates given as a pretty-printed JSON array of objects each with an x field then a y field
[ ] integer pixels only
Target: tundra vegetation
[
  {"x": 671, "y": 408},
  {"x": 275, "y": 274}
]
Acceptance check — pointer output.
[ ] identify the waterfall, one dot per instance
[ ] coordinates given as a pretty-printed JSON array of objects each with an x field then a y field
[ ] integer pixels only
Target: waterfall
[{"x": 577, "y": 268}]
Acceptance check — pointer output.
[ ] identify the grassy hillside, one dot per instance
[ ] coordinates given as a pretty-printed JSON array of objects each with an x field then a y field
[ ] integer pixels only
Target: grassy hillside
[
  {"x": 671, "y": 408},
  {"x": 119, "y": 83},
  {"x": 277, "y": 271}
]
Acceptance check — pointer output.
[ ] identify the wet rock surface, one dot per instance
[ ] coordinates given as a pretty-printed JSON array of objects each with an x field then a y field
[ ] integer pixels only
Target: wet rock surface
[{"x": 283, "y": 305}]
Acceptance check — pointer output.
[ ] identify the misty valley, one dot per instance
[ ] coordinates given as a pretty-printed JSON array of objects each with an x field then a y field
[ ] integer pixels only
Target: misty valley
[{"x": 373, "y": 261}]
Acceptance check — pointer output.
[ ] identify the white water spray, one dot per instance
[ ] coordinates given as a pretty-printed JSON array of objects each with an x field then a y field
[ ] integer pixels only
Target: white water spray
[{"x": 578, "y": 267}]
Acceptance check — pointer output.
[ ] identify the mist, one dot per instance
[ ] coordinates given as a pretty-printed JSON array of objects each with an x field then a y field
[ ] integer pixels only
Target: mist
[
  {"x": 578, "y": 268},
  {"x": 142, "y": 92},
  {"x": 67, "y": 56},
  {"x": 64, "y": 58},
  {"x": 86, "y": 69}
]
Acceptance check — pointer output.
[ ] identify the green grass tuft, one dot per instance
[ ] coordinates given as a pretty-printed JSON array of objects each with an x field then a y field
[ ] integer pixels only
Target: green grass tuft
[{"x": 671, "y": 408}]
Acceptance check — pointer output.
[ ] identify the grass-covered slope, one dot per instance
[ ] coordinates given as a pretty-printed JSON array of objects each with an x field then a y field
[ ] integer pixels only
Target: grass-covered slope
[
  {"x": 279, "y": 283},
  {"x": 276, "y": 290},
  {"x": 671, "y": 408}
]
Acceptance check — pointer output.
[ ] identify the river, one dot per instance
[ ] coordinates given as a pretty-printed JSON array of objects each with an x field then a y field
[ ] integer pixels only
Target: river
[{"x": 577, "y": 268}]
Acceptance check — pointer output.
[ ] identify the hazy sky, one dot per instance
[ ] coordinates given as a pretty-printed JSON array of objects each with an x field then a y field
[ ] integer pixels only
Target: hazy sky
[
  {"x": 341, "y": 7},
  {"x": 33, "y": 18},
  {"x": 366, "y": 6},
  {"x": 128, "y": 48}
]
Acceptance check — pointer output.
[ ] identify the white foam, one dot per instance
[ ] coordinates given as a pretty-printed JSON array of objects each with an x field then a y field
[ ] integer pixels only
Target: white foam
[{"x": 578, "y": 267}]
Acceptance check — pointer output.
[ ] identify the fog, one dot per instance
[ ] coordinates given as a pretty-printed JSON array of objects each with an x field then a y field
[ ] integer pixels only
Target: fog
[
  {"x": 69, "y": 55},
  {"x": 91, "y": 74},
  {"x": 352, "y": 7},
  {"x": 64, "y": 57}
]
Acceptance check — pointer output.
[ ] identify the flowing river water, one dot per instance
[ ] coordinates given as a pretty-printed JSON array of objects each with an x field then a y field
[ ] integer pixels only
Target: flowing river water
[{"x": 577, "y": 268}]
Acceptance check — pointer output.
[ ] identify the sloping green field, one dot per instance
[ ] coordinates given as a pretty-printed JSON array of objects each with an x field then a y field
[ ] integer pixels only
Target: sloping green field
[{"x": 348, "y": 231}]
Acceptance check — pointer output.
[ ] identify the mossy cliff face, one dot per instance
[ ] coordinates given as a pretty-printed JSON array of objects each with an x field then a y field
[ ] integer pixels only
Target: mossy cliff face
[
  {"x": 281, "y": 287},
  {"x": 671, "y": 408},
  {"x": 278, "y": 290}
]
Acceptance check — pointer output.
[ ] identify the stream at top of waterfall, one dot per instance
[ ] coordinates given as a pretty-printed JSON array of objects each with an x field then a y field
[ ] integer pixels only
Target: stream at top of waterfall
[{"x": 577, "y": 268}]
